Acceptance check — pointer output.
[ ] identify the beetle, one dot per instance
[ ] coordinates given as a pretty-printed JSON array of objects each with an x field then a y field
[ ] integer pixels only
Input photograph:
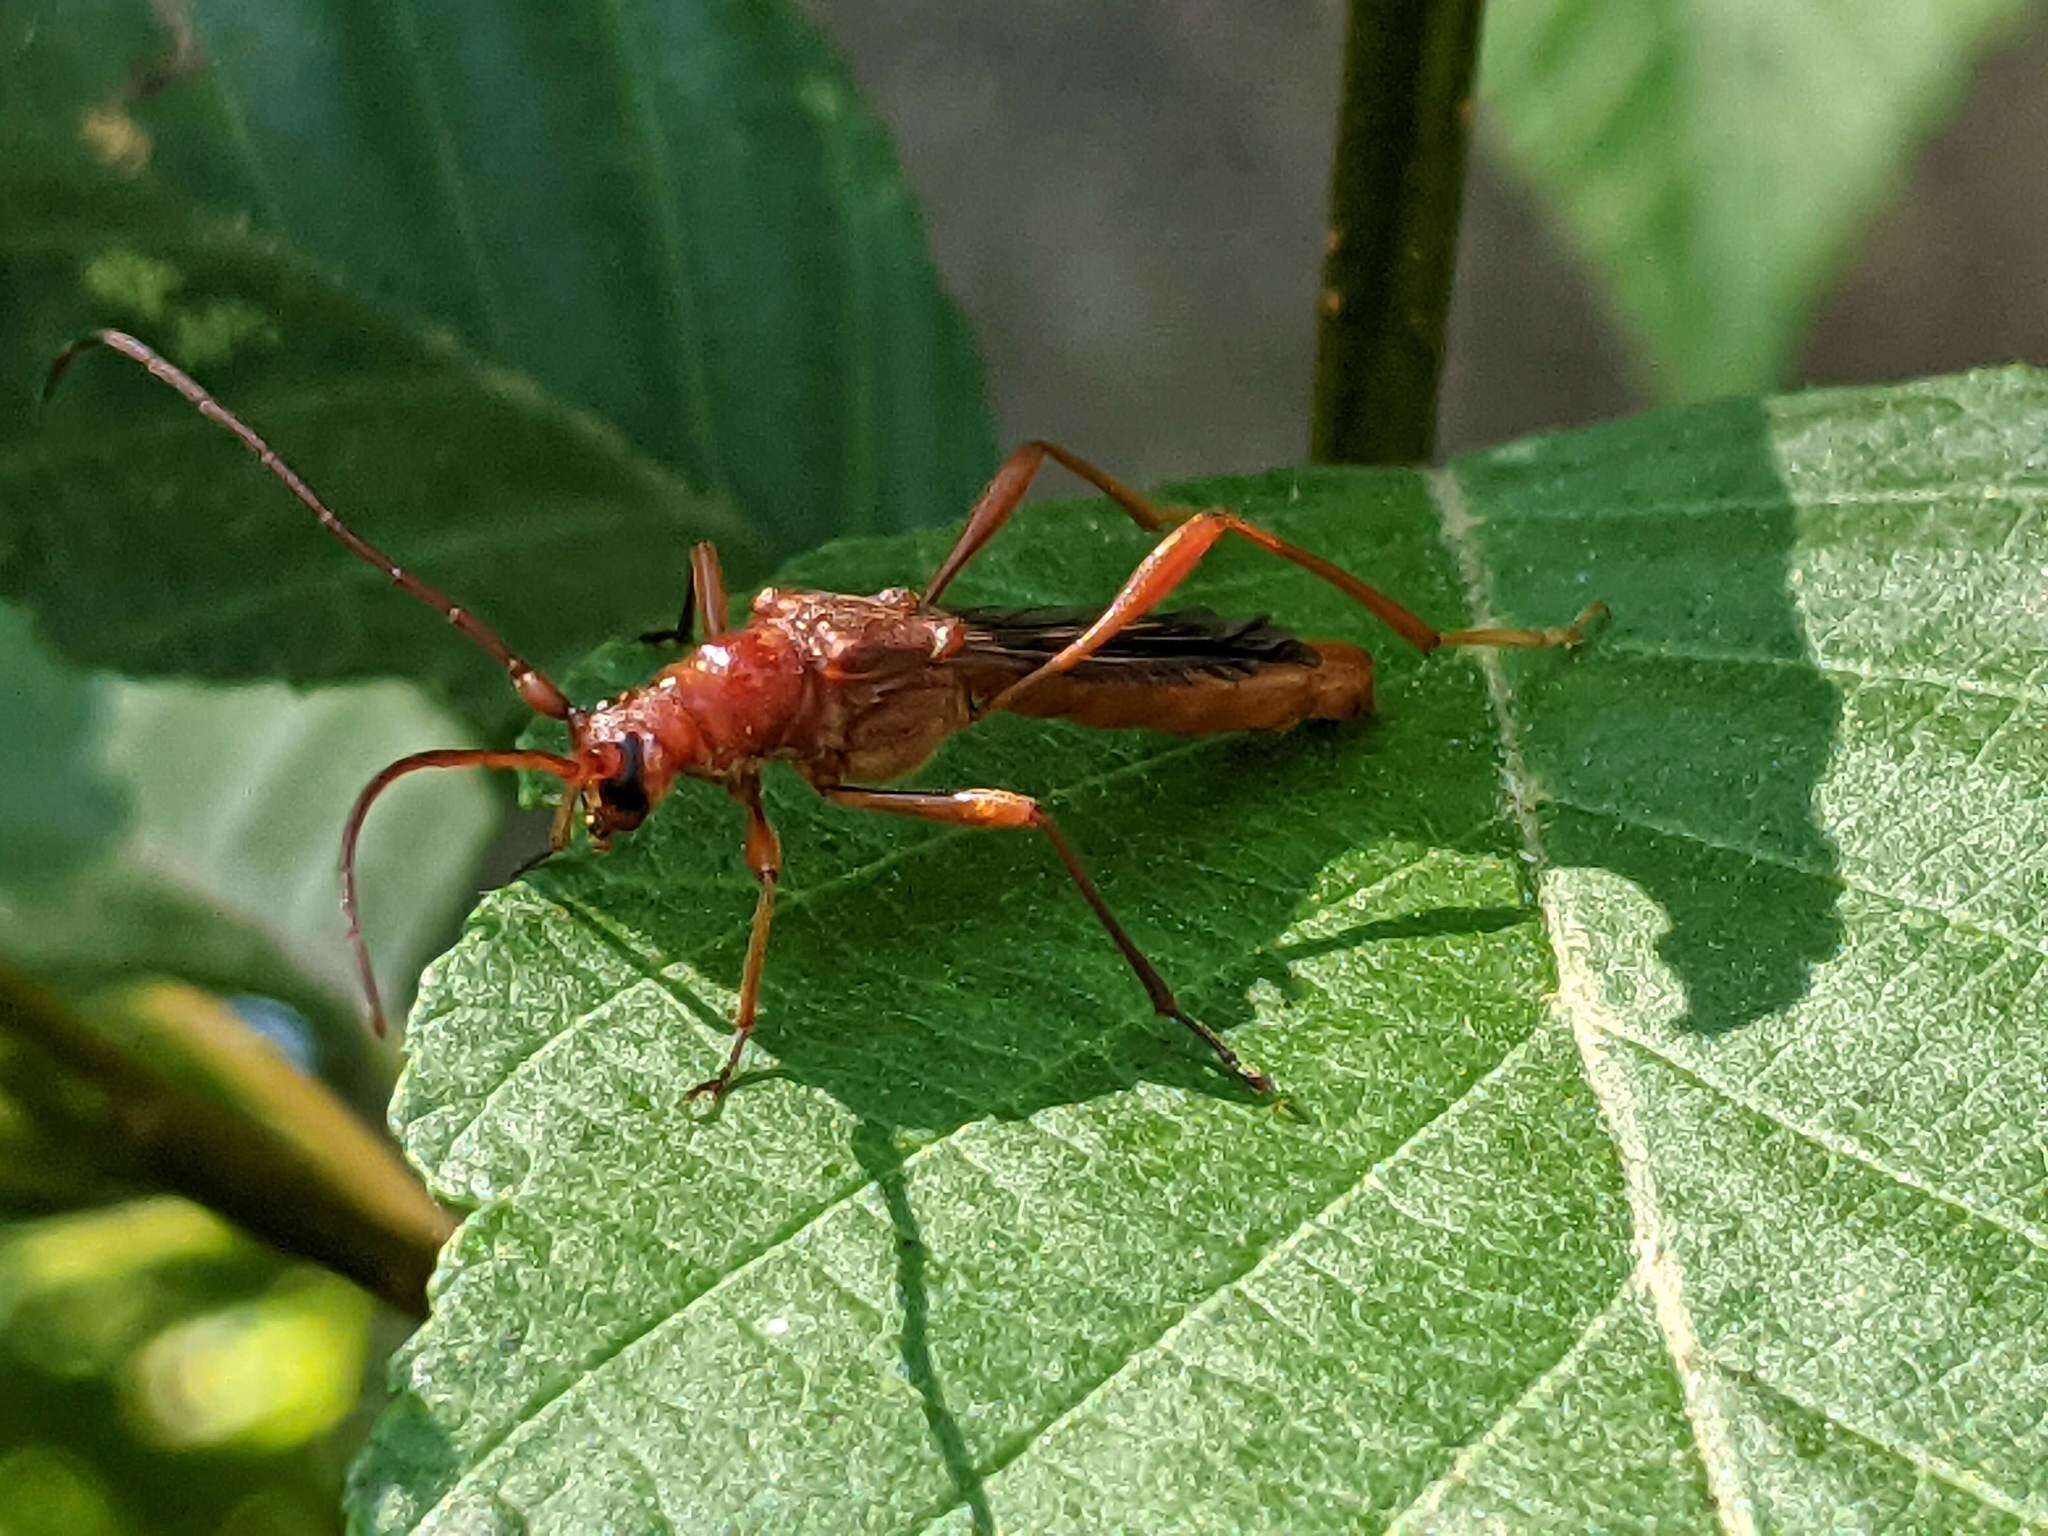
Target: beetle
[{"x": 855, "y": 692}]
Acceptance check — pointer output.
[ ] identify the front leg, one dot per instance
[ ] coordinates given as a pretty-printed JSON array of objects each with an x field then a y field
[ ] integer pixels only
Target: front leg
[
  {"x": 704, "y": 599},
  {"x": 1002, "y": 808},
  {"x": 764, "y": 856}
]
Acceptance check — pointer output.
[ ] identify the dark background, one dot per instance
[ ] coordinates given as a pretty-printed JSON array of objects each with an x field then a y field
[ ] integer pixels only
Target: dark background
[{"x": 1128, "y": 200}]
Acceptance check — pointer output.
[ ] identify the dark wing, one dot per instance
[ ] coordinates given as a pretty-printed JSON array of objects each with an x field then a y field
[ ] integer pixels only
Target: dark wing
[{"x": 1163, "y": 647}]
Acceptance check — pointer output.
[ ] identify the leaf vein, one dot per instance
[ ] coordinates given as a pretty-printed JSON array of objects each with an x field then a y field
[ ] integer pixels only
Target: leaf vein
[
  {"x": 1801, "y": 867},
  {"x": 1962, "y": 1480},
  {"x": 1795, "y": 499},
  {"x": 1834, "y": 1144},
  {"x": 1165, "y": 1342},
  {"x": 1834, "y": 667},
  {"x": 1469, "y": 1454}
]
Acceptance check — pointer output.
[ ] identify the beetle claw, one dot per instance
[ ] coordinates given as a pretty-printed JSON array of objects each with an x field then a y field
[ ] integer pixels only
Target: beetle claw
[{"x": 714, "y": 1088}]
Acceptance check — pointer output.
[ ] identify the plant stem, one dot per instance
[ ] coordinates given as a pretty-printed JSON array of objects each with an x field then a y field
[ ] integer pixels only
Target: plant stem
[
  {"x": 1395, "y": 191},
  {"x": 198, "y": 1104}
]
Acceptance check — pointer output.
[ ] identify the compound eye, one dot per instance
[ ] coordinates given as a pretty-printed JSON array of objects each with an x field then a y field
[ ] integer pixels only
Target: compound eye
[{"x": 625, "y": 792}]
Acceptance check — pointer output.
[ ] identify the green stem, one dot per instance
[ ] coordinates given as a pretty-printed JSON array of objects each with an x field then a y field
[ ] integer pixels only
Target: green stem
[
  {"x": 1395, "y": 191},
  {"x": 198, "y": 1104}
]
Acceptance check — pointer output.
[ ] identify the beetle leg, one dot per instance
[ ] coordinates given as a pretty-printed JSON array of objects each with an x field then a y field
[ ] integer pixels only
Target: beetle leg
[
  {"x": 764, "y": 856},
  {"x": 1175, "y": 557},
  {"x": 707, "y": 586},
  {"x": 705, "y": 595},
  {"x": 1005, "y": 494},
  {"x": 1004, "y": 809},
  {"x": 564, "y": 824}
]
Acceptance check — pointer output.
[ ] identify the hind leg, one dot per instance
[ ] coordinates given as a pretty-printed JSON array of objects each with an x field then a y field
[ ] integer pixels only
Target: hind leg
[{"x": 1177, "y": 555}]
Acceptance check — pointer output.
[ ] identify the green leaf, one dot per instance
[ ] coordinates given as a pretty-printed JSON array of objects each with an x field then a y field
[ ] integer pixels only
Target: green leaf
[
  {"x": 1660, "y": 1024},
  {"x": 144, "y": 539},
  {"x": 677, "y": 217},
  {"x": 62, "y": 807},
  {"x": 1715, "y": 160},
  {"x": 222, "y": 870}
]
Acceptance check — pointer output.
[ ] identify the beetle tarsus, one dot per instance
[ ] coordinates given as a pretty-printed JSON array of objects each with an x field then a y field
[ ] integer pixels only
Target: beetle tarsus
[
  {"x": 713, "y": 1088},
  {"x": 1589, "y": 623},
  {"x": 1250, "y": 1077}
]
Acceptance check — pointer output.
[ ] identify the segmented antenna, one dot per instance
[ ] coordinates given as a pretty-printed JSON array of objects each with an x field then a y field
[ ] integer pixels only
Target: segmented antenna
[
  {"x": 567, "y": 769},
  {"x": 533, "y": 685}
]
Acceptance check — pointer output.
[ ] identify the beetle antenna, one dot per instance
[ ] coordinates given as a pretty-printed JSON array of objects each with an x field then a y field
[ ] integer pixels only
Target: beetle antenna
[
  {"x": 567, "y": 769},
  {"x": 533, "y": 685}
]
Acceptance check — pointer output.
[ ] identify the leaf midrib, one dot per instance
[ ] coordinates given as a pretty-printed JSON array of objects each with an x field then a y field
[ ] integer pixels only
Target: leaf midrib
[
  {"x": 1656, "y": 1264},
  {"x": 1657, "y": 1269}
]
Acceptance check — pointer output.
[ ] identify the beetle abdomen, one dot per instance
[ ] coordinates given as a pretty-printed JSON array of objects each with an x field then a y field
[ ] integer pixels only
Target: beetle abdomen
[{"x": 1333, "y": 682}]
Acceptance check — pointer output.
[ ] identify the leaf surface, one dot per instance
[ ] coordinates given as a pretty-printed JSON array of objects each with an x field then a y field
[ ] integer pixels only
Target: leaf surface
[
  {"x": 677, "y": 218},
  {"x": 1714, "y": 159},
  {"x": 1661, "y": 1026}
]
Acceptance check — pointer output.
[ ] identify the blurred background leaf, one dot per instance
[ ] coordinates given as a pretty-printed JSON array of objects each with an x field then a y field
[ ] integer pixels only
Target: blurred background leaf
[
  {"x": 61, "y": 805},
  {"x": 538, "y": 300},
  {"x": 1714, "y": 159},
  {"x": 167, "y": 1086},
  {"x": 679, "y": 219},
  {"x": 164, "y": 1373},
  {"x": 144, "y": 539},
  {"x": 216, "y": 858}
]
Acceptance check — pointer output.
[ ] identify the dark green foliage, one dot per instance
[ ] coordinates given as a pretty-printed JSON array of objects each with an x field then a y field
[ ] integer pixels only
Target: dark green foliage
[{"x": 538, "y": 298}]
